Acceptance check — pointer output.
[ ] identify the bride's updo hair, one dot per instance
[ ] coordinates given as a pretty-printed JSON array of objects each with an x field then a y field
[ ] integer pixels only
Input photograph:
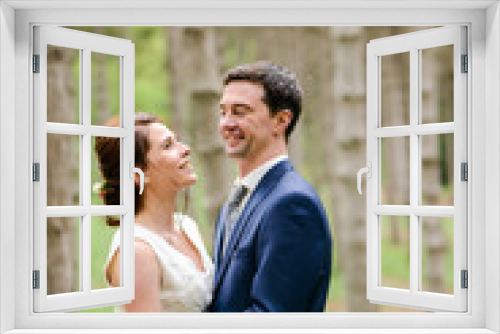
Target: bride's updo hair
[{"x": 108, "y": 154}]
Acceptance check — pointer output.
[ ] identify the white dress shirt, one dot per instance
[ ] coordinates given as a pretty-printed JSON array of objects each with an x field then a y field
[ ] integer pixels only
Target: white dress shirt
[{"x": 251, "y": 181}]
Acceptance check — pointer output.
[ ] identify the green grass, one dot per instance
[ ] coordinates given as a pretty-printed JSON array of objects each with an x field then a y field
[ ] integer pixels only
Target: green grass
[
  {"x": 396, "y": 261},
  {"x": 395, "y": 264}
]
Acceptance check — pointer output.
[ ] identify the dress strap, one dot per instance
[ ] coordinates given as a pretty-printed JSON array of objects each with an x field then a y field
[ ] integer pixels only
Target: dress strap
[{"x": 156, "y": 242}]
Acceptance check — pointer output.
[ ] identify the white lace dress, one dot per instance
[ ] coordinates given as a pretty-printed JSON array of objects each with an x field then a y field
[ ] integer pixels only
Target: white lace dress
[{"x": 184, "y": 287}]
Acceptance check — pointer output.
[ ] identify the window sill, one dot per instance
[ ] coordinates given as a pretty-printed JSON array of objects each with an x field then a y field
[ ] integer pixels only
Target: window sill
[{"x": 252, "y": 331}]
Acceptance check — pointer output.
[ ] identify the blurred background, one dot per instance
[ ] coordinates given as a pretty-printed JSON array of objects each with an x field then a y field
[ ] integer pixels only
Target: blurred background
[{"x": 178, "y": 77}]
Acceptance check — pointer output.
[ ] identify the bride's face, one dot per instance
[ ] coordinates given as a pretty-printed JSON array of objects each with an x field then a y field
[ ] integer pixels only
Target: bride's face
[{"x": 169, "y": 166}]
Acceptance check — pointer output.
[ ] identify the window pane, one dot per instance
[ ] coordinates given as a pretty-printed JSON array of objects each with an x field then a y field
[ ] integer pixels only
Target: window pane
[
  {"x": 395, "y": 251},
  {"x": 105, "y": 89},
  {"x": 437, "y": 169},
  {"x": 63, "y": 85},
  {"x": 395, "y": 89},
  {"x": 437, "y": 254},
  {"x": 63, "y": 170},
  {"x": 395, "y": 171},
  {"x": 437, "y": 84},
  {"x": 104, "y": 229},
  {"x": 105, "y": 177},
  {"x": 63, "y": 255}
]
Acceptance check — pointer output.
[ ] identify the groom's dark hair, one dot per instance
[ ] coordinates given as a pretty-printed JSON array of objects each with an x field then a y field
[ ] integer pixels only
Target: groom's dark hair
[{"x": 281, "y": 88}]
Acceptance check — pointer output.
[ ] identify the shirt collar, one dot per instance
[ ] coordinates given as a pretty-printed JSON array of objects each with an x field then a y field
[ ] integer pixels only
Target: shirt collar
[{"x": 253, "y": 178}]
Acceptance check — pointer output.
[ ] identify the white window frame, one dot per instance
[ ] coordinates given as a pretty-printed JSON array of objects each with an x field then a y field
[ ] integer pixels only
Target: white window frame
[
  {"x": 483, "y": 21},
  {"x": 413, "y": 44},
  {"x": 84, "y": 43}
]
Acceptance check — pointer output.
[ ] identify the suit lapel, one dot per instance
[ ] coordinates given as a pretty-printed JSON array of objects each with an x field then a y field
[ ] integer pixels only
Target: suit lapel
[{"x": 268, "y": 182}]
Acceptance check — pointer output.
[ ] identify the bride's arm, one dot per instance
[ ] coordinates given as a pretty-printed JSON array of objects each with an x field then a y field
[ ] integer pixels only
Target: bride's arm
[{"x": 147, "y": 280}]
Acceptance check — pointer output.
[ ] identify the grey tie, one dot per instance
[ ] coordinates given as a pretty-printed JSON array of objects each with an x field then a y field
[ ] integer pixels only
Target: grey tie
[{"x": 235, "y": 199}]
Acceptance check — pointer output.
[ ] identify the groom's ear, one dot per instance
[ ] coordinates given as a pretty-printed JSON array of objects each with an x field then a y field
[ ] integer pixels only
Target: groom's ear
[{"x": 283, "y": 118}]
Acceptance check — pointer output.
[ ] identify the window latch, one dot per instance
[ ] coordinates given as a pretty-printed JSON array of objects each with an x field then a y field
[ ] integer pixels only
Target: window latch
[
  {"x": 133, "y": 170},
  {"x": 368, "y": 171}
]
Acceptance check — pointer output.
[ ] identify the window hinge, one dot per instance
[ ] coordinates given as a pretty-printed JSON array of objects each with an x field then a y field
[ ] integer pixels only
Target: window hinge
[
  {"x": 36, "y": 63},
  {"x": 465, "y": 279},
  {"x": 464, "y": 171},
  {"x": 36, "y": 279},
  {"x": 465, "y": 63},
  {"x": 36, "y": 172}
]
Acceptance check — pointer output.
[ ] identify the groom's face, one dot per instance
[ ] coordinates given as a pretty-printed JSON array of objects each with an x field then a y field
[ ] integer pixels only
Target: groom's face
[{"x": 245, "y": 123}]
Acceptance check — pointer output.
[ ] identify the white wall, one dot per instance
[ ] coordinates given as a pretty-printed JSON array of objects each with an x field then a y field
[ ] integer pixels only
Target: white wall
[
  {"x": 492, "y": 165},
  {"x": 7, "y": 162}
]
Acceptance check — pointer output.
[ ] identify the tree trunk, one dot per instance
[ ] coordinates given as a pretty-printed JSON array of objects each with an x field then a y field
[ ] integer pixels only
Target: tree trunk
[
  {"x": 177, "y": 65},
  {"x": 205, "y": 97},
  {"x": 101, "y": 87},
  {"x": 315, "y": 73},
  {"x": 349, "y": 129},
  {"x": 446, "y": 114},
  {"x": 180, "y": 82},
  {"x": 395, "y": 106},
  {"x": 62, "y": 174},
  {"x": 434, "y": 242}
]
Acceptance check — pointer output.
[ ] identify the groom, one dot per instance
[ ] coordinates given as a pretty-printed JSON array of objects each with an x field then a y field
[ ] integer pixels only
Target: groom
[{"x": 273, "y": 246}]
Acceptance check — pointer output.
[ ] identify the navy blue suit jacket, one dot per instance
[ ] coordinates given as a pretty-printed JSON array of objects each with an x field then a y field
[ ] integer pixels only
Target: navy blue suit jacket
[{"x": 278, "y": 258}]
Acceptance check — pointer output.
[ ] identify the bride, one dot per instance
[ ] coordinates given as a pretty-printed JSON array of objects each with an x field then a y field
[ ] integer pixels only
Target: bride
[{"x": 173, "y": 272}]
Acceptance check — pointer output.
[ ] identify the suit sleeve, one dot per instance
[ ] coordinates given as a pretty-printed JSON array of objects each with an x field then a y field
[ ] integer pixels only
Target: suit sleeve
[{"x": 293, "y": 252}]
